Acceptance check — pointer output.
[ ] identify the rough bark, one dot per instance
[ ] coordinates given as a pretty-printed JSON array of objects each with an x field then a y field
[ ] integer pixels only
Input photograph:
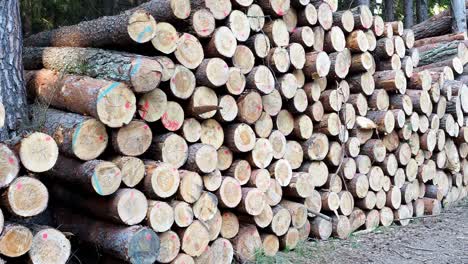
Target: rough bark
[{"x": 12, "y": 91}]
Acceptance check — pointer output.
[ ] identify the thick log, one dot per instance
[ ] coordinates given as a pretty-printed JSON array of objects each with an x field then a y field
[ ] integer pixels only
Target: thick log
[
  {"x": 114, "y": 30},
  {"x": 25, "y": 197},
  {"x": 135, "y": 244},
  {"x": 247, "y": 242},
  {"x": 191, "y": 186},
  {"x": 183, "y": 214},
  {"x": 160, "y": 215},
  {"x": 15, "y": 240},
  {"x": 9, "y": 165},
  {"x": 161, "y": 179},
  {"x": 97, "y": 176},
  {"x": 110, "y": 102},
  {"x": 132, "y": 139}
]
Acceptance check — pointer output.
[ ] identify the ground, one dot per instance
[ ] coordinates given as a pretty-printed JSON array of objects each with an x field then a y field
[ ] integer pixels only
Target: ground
[{"x": 441, "y": 239}]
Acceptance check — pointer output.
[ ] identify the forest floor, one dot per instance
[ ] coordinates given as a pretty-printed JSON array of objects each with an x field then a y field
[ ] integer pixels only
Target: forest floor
[{"x": 441, "y": 239}]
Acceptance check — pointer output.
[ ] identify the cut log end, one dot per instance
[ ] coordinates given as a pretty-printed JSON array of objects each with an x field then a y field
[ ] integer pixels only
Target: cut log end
[
  {"x": 133, "y": 139},
  {"x": 50, "y": 246},
  {"x": 141, "y": 26},
  {"x": 116, "y": 104},
  {"x": 161, "y": 215},
  {"x": 89, "y": 140},
  {"x": 27, "y": 197},
  {"x": 106, "y": 178},
  {"x": 15, "y": 240},
  {"x": 9, "y": 165},
  {"x": 38, "y": 152}
]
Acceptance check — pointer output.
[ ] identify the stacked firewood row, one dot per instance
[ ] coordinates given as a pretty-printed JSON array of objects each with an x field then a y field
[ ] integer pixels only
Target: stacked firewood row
[{"x": 202, "y": 131}]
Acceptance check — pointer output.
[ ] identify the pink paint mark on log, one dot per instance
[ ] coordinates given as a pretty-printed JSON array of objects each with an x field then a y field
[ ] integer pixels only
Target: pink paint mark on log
[
  {"x": 174, "y": 237},
  {"x": 19, "y": 186},
  {"x": 44, "y": 236},
  {"x": 259, "y": 107},
  {"x": 11, "y": 160},
  {"x": 171, "y": 125},
  {"x": 148, "y": 237},
  {"x": 187, "y": 36},
  {"x": 225, "y": 13},
  {"x": 280, "y": 12},
  {"x": 128, "y": 105},
  {"x": 48, "y": 138},
  {"x": 101, "y": 138},
  {"x": 226, "y": 151},
  {"x": 294, "y": 30},
  {"x": 146, "y": 127},
  {"x": 117, "y": 173},
  {"x": 158, "y": 205},
  {"x": 225, "y": 243},
  {"x": 132, "y": 195}
]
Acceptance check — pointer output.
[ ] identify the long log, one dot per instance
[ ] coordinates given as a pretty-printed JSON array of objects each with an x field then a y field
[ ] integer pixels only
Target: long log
[
  {"x": 110, "y": 102},
  {"x": 142, "y": 73},
  {"x": 136, "y": 244},
  {"x": 114, "y": 30}
]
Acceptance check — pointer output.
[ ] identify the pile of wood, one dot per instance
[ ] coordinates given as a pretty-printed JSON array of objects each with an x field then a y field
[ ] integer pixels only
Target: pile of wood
[{"x": 201, "y": 131}]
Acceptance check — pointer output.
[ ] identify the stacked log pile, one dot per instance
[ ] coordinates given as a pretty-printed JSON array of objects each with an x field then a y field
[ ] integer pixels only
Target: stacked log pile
[{"x": 202, "y": 131}]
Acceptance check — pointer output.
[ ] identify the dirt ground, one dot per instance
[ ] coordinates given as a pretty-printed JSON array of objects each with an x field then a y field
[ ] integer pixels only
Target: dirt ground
[{"x": 441, "y": 239}]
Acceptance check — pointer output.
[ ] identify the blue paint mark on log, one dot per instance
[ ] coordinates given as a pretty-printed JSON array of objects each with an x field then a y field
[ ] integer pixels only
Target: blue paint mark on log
[
  {"x": 147, "y": 29},
  {"x": 77, "y": 132},
  {"x": 107, "y": 91},
  {"x": 96, "y": 184},
  {"x": 136, "y": 67}
]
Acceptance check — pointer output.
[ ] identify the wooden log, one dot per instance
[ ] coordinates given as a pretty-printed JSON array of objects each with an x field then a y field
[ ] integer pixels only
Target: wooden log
[
  {"x": 223, "y": 251},
  {"x": 432, "y": 206},
  {"x": 307, "y": 15},
  {"x": 132, "y": 139},
  {"x": 202, "y": 22},
  {"x": 330, "y": 125},
  {"x": 361, "y": 62},
  {"x": 297, "y": 211},
  {"x": 362, "y": 17},
  {"x": 277, "y": 32},
  {"x": 160, "y": 215},
  {"x": 317, "y": 64},
  {"x": 394, "y": 63},
  {"x": 190, "y": 187},
  {"x": 183, "y": 214},
  {"x": 170, "y": 148},
  {"x": 374, "y": 149},
  {"x": 133, "y": 243},
  {"x": 259, "y": 44},
  {"x": 391, "y": 81},
  {"x": 161, "y": 179},
  {"x": 296, "y": 55},
  {"x": 195, "y": 238},
  {"x": 362, "y": 83},
  {"x": 9, "y": 165},
  {"x": 152, "y": 104},
  {"x": 385, "y": 121},
  {"x": 344, "y": 19},
  {"x": 49, "y": 244},
  {"x": 95, "y": 176},
  {"x": 15, "y": 240},
  {"x": 341, "y": 227},
  {"x": 136, "y": 24},
  {"x": 202, "y": 158},
  {"x": 212, "y": 72},
  {"x": 357, "y": 41},
  {"x": 239, "y": 24},
  {"x": 25, "y": 197},
  {"x": 385, "y": 48},
  {"x": 96, "y": 63},
  {"x": 223, "y": 43},
  {"x": 126, "y": 206},
  {"x": 368, "y": 202},
  {"x": 170, "y": 247},
  {"x": 346, "y": 203},
  {"x": 212, "y": 181},
  {"x": 183, "y": 258},
  {"x": 320, "y": 228},
  {"x": 270, "y": 244},
  {"x": 256, "y": 17},
  {"x": 56, "y": 90},
  {"x": 205, "y": 208},
  {"x": 319, "y": 169},
  {"x": 303, "y": 36},
  {"x": 246, "y": 242},
  {"x": 290, "y": 239},
  {"x": 76, "y": 136}
]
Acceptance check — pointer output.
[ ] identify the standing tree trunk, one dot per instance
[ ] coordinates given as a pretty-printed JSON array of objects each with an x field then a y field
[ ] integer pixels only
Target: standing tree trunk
[
  {"x": 409, "y": 19},
  {"x": 12, "y": 91},
  {"x": 421, "y": 10},
  {"x": 458, "y": 16},
  {"x": 389, "y": 11}
]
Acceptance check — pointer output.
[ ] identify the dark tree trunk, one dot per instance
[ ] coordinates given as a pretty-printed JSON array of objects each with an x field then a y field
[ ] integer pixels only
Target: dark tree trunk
[
  {"x": 421, "y": 10},
  {"x": 389, "y": 11},
  {"x": 409, "y": 18},
  {"x": 12, "y": 91},
  {"x": 458, "y": 16}
]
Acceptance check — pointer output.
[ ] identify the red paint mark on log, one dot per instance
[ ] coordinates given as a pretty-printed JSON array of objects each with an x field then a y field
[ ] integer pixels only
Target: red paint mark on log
[
  {"x": 44, "y": 236},
  {"x": 19, "y": 186},
  {"x": 101, "y": 138},
  {"x": 226, "y": 151},
  {"x": 128, "y": 105},
  {"x": 11, "y": 160},
  {"x": 48, "y": 138},
  {"x": 132, "y": 195},
  {"x": 280, "y": 12},
  {"x": 225, "y": 13},
  {"x": 148, "y": 237},
  {"x": 171, "y": 125},
  {"x": 145, "y": 126}
]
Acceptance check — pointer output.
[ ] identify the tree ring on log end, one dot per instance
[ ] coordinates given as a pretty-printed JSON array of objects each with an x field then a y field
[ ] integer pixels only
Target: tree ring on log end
[
  {"x": 143, "y": 246},
  {"x": 89, "y": 140},
  {"x": 50, "y": 246},
  {"x": 141, "y": 26},
  {"x": 27, "y": 196},
  {"x": 38, "y": 152},
  {"x": 132, "y": 206},
  {"x": 116, "y": 105},
  {"x": 106, "y": 178}
]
